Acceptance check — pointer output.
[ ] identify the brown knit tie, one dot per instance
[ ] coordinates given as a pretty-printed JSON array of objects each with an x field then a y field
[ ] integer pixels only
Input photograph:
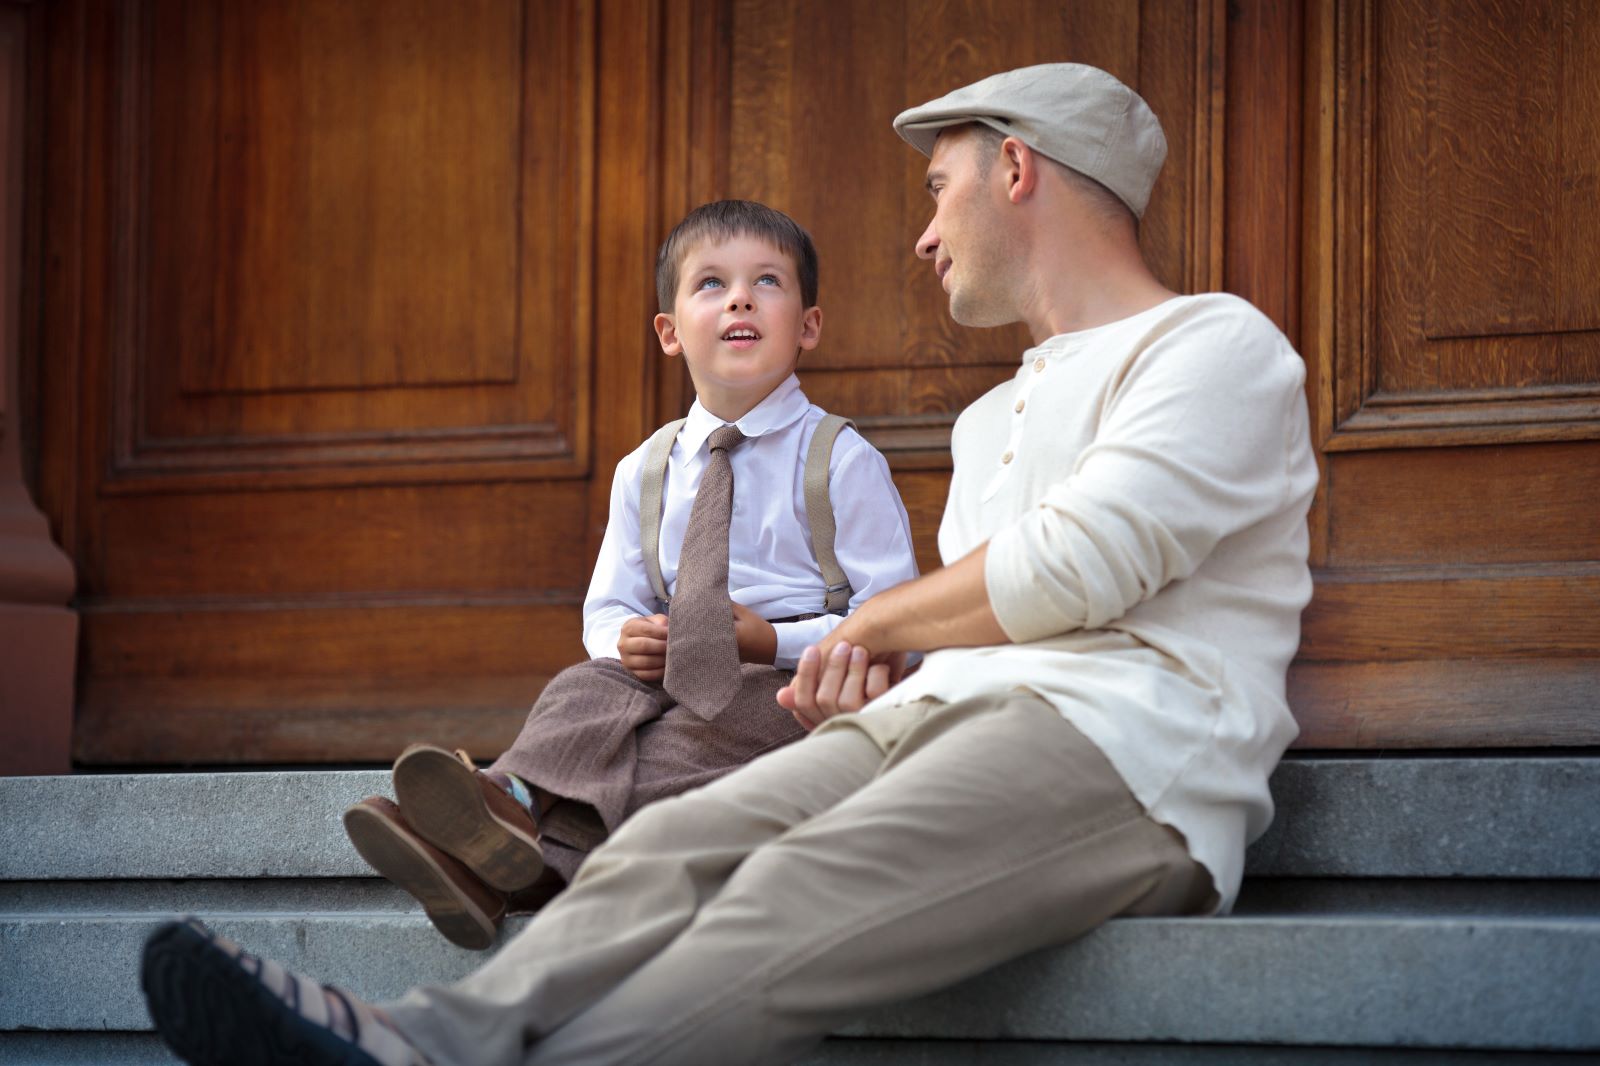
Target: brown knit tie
[{"x": 702, "y": 653}]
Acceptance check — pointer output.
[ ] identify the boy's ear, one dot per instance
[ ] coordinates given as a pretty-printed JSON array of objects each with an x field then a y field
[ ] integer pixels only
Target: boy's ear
[
  {"x": 810, "y": 328},
  {"x": 667, "y": 333}
]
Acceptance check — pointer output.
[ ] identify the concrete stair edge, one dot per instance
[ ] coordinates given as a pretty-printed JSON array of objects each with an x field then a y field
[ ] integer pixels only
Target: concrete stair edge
[
  {"x": 1404, "y": 817},
  {"x": 1444, "y": 982},
  {"x": 145, "y": 1049}
]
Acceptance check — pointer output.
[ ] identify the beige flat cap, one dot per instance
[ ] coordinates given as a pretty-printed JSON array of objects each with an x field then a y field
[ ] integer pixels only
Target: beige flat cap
[{"x": 1078, "y": 115}]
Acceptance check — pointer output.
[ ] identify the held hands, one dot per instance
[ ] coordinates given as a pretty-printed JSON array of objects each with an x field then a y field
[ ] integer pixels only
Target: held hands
[
  {"x": 642, "y": 647},
  {"x": 836, "y": 677}
]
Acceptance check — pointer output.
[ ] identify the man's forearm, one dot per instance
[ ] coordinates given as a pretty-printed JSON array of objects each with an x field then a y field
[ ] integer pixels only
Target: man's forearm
[{"x": 945, "y": 609}]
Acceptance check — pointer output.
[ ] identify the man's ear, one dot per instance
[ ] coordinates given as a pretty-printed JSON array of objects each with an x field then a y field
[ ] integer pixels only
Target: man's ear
[
  {"x": 1020, "y": 165},
  {"x": 667, "y": 333},
  {"x": 810, "y": 328}
]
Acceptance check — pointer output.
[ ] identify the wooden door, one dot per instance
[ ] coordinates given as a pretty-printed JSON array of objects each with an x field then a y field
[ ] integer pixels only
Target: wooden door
[
  {"x": 1453, "y": 319},
  {"x": 345, "y": 323},
  {"x": 317, "y": 371}
]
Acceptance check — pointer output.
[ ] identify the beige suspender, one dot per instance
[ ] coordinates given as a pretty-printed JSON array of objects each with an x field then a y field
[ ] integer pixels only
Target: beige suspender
[
  {"x": 819, "y": 513},
  {"x": 819, "y": 509},
  {"x": 651, "y": 478}
]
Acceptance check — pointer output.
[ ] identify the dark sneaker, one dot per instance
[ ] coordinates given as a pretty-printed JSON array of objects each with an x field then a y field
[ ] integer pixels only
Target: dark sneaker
[{"x": 216, "y": 1005}]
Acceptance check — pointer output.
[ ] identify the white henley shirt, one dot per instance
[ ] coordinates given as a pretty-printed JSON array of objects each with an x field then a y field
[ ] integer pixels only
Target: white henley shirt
[{"x": 1143, "y": 488}]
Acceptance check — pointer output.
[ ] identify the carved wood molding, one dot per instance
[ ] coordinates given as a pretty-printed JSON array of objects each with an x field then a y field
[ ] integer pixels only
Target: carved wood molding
[
  {"x": 1344, "y": 257},
  {"x": 144, "y": 459}
]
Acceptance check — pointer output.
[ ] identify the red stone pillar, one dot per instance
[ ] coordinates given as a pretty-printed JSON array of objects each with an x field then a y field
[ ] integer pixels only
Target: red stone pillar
[{"x": 38, "y": 632}]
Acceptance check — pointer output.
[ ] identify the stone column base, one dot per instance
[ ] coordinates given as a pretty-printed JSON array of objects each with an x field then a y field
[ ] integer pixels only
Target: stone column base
[{"x": 38, "y": 647}]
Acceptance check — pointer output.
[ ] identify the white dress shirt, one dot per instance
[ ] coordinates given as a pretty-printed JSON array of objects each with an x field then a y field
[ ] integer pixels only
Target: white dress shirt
[
  {"x": 1143, "y": 489},
  {"x": 771, "y": 569}
]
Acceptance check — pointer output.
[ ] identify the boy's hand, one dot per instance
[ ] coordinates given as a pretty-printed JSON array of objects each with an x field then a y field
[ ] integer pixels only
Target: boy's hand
[
  {"x": 642, "y": 647},
  {"x": 758, "y": 641}
]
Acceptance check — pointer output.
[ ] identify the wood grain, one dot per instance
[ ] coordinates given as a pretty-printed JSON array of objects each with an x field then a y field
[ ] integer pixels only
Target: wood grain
[
  {"x": 1460, "y": 144},
  {"x": 131, "y": 721},
  {"x": 338, "y": 683},
  {"x": 1262, "y": 211},
  {"x": 345, "y": 183},
  {"x": 1445, "y": 704},
  {"x": 326, "y": 269},
  {"x": 1465, "y": 507},
  {"x": 1535, "y": 614}
]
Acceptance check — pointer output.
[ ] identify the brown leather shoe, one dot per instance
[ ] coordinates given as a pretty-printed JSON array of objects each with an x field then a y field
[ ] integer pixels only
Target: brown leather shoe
[
  {"x": 459, "y": 905},
  {"x": 460, "y": 811}
]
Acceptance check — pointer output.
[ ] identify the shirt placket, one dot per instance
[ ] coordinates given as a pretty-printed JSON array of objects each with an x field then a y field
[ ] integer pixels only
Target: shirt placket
[{"x": 1012, "y": 454}]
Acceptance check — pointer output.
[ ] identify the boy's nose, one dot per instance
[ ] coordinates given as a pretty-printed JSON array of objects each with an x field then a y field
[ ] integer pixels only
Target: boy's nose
[{"x": 739, "y": 300}]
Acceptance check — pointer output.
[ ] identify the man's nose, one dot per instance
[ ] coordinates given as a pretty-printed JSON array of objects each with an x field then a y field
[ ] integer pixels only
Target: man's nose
[{"x": 928, "y": 243}]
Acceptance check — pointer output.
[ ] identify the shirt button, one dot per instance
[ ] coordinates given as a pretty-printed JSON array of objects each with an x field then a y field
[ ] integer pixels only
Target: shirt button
[
  {"x": 1038, "y": 366},
  {"x": 1006, "y": 458},
  {"x": 1020, "y": 405}
]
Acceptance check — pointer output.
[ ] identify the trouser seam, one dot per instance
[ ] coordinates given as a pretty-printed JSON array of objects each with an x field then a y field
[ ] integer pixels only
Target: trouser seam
[{"x": 787, "y": 964}]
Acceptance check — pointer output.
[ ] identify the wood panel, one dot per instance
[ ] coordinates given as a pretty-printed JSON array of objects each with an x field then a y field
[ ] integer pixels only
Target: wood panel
[
  {"x": 1445, "y": 703},
  {"x": 316, "y": 364},
  {"x": 1494, "y": 505},
  {"x": 459, "y": 673},
  {"x": 315, "y": 206},
  {"x": 1446, "y": 323},
  {"x": 1468, "y": 281},
  {"x": 331, "y": 220}
]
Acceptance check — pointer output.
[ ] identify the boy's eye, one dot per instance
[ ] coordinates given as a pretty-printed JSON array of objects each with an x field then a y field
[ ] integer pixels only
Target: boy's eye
[
  {"x": 767, "y": 279},
  {"x": 709, "y": 283}
]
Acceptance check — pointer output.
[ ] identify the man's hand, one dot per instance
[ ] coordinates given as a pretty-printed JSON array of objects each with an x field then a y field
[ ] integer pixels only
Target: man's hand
[
  {"x": 758, "y": 641},
  {"x": 838, "y": 677},
  {"x": 642, "y": 647}
]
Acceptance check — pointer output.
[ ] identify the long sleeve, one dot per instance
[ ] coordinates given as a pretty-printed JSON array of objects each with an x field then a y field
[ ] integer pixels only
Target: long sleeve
[
  {"x": 873, "y": 542},
  {"x": 620, "y": 588},
  {"x": 1191, "y": 448}
]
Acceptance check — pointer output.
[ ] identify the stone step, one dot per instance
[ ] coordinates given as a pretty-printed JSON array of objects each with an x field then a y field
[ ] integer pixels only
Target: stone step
[
  {"x": 1399, "y": 909},
  {"x": 1380, "y": 818},
  {"x": 144, "y": 1049},
  {"x": 1343, "y": 977}
]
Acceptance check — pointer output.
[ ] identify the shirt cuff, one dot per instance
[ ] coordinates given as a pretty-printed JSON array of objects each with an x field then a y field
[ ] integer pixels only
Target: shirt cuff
[
  {"x": 794, "y": 637},
  {"x": 1013, "y": 579}
]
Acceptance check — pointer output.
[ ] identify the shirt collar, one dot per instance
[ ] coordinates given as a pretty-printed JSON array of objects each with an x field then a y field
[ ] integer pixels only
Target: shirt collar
[{"x": 783, "y": 406}]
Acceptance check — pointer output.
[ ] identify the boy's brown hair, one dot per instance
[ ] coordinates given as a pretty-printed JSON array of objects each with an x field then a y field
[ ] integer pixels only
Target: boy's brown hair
[{"x": 726, "y": 219}]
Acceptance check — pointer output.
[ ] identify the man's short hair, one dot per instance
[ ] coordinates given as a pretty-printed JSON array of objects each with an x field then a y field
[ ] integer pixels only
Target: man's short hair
[
  {"x": 724, "y": 220},
  {"x": 1102, "y": 201}
]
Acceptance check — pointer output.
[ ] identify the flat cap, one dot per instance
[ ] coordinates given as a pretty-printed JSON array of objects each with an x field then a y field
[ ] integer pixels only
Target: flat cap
[{"x": 1078, "y": 115}]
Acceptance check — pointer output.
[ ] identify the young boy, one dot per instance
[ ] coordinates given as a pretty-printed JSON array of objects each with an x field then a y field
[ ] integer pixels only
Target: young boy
[{"x": 664, "y": 706}]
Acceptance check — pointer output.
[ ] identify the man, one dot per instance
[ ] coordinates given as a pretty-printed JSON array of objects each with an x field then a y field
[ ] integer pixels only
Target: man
[{"x": 1090, "y": 733}]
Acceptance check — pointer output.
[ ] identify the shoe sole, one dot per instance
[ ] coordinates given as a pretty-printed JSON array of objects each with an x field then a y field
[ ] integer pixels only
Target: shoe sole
[
  {"x": 443, "y": 800},
  {"x": 463, "y": 920},
  {"x": 213, "y": 1013}
]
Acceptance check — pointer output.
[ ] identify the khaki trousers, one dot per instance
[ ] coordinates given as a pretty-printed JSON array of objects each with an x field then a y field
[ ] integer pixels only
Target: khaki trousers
[{"x": 883, "y": 857}]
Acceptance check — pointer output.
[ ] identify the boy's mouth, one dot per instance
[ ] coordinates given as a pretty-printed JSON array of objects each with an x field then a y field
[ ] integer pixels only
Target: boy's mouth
[{"x": 741, "y": 335}]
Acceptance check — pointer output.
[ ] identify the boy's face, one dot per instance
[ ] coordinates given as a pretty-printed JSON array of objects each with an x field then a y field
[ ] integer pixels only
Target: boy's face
[{"x": 739, "y": 321}]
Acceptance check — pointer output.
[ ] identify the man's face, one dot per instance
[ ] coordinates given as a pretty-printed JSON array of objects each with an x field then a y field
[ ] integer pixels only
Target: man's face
[
  {"x": 738, "y": 320},
  {"x": 966, "y": 241}
]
